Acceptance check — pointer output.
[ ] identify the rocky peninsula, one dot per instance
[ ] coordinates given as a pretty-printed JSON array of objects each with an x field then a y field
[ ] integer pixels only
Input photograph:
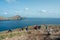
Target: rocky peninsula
[{"x": 16, "y": 17}]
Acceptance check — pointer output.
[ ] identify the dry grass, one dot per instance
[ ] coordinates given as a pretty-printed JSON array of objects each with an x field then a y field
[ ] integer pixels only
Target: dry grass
[{"x": 32, "y": 34}]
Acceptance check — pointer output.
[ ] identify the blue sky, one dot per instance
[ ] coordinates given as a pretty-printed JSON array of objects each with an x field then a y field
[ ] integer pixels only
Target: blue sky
[{"x": 30, "y": 8}]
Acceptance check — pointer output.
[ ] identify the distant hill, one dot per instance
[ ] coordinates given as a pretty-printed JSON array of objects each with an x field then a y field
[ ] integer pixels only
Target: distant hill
[{"x": 17, "y": 17}]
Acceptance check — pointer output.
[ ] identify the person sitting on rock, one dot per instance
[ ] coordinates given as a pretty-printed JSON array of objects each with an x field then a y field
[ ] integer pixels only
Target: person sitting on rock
[
  {"x": 35, "y": 27},
  {"x": 39, "y": 27},
  {"x": 9, "y": 30},
  {"x": 22, "y": 29}
]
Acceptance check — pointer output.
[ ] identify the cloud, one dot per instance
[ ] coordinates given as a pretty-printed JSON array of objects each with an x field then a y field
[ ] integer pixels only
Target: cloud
[
  {"x": 10, "y": 1},
  {"x": 18, "y": 11},
  {"x": 43, "y": 11},
  {"x": 26, "y": 8},
  {"x": 5, "y": 13}
]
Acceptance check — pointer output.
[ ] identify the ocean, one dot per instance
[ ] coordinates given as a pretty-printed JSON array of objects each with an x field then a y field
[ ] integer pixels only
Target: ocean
[{"x": 13, "y": 24}]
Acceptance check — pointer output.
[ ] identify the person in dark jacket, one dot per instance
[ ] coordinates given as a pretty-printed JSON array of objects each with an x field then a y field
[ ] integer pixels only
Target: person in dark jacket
[
  {"x": 9, "y": 30},
  {"x": 27, "y": 28},
  {"x": 39, "y": 27},
  {"x": 22, "y": 29}
]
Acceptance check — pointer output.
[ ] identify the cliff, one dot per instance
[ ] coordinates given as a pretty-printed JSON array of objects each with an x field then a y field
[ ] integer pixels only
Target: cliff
[{"x": 32, "y": 34}]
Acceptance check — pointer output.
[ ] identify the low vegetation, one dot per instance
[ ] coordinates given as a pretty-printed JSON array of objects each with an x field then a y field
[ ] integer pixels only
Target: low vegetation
[{"x": 31, "y": 34}]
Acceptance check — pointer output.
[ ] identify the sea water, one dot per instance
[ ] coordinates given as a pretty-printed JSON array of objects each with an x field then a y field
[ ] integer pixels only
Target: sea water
[{"x": 12, "y": 24}]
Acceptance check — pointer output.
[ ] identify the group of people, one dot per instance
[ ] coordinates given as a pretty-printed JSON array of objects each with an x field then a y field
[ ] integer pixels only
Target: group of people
[
  {"x": 34, "y": 27},
  {"x": 19, "y": 29}
]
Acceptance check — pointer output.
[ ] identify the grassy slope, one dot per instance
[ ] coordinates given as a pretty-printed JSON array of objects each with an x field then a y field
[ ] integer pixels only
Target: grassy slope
[{"x": 30, "y": 35}]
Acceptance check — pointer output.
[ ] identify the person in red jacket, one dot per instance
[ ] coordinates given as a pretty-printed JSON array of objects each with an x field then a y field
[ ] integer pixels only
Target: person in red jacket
[{"x": 35, "y": 27}]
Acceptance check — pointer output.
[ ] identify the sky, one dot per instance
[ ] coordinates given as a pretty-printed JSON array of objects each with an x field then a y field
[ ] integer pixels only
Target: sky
[{"x": 30, "y": 8}]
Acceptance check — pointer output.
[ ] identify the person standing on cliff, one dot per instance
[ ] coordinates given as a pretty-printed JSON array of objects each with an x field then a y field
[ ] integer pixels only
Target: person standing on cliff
[{"x": 27, "y": 28}]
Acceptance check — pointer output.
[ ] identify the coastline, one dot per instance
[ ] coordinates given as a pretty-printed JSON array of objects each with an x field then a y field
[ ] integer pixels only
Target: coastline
[{"x": 5, "y": 35}]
